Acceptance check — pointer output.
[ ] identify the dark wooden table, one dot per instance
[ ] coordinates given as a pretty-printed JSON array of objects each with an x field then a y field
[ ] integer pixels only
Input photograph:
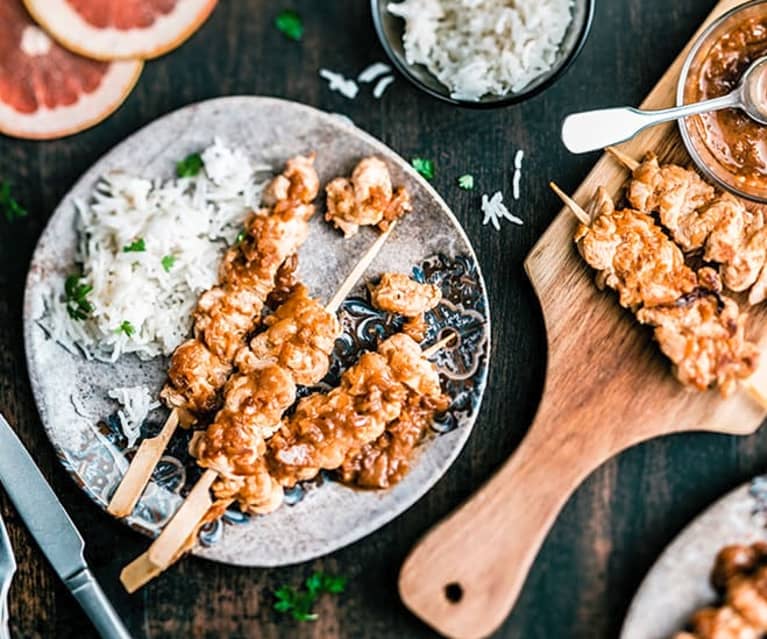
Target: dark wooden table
[{"x": 611, "y": 530}]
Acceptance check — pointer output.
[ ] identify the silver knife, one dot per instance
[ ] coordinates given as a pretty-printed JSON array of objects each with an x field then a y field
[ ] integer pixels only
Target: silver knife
[
  {"x": 54, "y": 531},
  {"x": 7, "y": 570}
]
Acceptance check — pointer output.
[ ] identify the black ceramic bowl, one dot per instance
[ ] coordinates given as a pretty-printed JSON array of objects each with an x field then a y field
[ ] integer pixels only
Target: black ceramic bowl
[{"x": 390, "y": 29}]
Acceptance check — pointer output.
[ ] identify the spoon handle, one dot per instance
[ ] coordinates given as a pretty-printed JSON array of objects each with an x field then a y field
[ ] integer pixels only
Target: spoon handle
[{"x": 593, "y": 130}]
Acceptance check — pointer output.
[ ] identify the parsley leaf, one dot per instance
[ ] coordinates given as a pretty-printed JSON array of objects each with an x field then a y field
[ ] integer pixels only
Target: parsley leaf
[
  {"x": 8, "y": 204},
  {"x": 299, "y": 603},
  {"x": 290, "y": 24},
  {"x": 466, "y": 182},
  {"x": 241, "y": 236},
  {"x": 424, "y": 167},
  {"x": 137, "y": 246},
  {"x": 76, "y": 293},
  {"x": 189, "y": 166},
  {"x": 167, "y": 262},
  {"x": 127, "y": 328}
]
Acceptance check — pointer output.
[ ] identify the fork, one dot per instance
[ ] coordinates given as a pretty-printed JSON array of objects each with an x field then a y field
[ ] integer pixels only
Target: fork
[{"x": 7, "y": 570}]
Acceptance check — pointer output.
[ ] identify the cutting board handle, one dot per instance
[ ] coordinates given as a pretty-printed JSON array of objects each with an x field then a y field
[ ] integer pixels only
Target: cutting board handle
[{"x": 464, "y": 576}]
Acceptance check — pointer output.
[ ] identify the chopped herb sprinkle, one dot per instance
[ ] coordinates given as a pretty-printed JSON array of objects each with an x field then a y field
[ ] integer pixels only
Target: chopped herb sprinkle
[
  {"x": 290, "y": 25},
  {"x": 136, "y": 246},
  {"x": 189, "y": 166},
  {"x": 76, "y": 293},
  {"x": 127, "y": 328},
  {"x": 466, "y": 182},
  {"x": 8, "y": 204},
  {"x": 299, "y": 603},
  {"x": 424, "y": 166},
  {"x": 240, "y": 236},
  {"x": 167, "y": 262}
]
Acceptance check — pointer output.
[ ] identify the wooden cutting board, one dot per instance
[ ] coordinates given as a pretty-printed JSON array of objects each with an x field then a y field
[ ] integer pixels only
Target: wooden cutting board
[{"x": 608, "y": 387}]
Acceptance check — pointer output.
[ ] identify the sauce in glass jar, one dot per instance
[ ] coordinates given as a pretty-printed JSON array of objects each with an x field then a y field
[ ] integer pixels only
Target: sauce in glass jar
[{"x": 734, "y": 141}]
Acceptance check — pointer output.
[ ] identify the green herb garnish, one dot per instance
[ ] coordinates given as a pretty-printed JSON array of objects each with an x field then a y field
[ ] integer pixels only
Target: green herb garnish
[
  {"x": 136, "y": 246},
  {"x": 127, "y": 328},
  {"x": 167, "y": 262},
  {"x": 299, "y": 603},
  {"x": 241, "y": 236},
  {"x": 290, "y": 24},
  {"x": 466, "y": 182},
  {"x": 189, "y": 166},
  {"x": 8, "y": 204},
  {"x": 424, "y": 167},
  {"x": 78, "y": 306}
]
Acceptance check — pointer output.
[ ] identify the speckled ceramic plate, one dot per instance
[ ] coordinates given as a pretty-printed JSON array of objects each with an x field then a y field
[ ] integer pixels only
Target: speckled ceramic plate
[
  {"x": 678, "y": 583},
  {"x": 71, "y": 393}
]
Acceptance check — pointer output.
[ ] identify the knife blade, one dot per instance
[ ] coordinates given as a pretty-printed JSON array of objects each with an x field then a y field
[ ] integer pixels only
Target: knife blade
[{"x": 53, "y": 531}]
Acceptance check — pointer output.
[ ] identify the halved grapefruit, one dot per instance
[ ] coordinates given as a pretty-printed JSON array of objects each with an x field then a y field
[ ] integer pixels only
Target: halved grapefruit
[
  {"x": 48, "y": 92},
  {"x": 120, "y": 29}
]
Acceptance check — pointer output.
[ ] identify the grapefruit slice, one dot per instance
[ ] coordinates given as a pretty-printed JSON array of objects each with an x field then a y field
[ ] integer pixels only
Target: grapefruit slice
[
  {"x": 120, "y": 29},
  {"x": 48, "y": 92}
]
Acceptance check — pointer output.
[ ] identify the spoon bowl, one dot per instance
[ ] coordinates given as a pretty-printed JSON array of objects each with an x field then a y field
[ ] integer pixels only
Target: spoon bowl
[{"x": 753, "y": 91}]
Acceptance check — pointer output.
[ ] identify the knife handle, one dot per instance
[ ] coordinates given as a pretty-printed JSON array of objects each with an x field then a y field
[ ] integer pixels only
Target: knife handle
[{"x": 94, "y": 602}]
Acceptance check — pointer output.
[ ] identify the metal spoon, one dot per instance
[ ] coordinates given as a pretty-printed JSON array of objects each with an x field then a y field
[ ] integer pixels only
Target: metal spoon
[{"x": 592, "y": 130}]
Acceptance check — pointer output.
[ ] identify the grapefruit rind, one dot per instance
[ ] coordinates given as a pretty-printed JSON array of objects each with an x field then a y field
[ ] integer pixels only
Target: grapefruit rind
[
  {"x": 72, "y": 31},
  {"x": 89, "y": 110}
]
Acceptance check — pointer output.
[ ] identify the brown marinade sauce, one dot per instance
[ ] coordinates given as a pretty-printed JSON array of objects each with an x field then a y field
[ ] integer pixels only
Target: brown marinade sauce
[{"x": 737, "y": 142}]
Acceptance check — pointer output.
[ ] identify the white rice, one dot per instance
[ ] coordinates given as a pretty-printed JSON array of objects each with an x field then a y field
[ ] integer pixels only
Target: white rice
[
  {"x": 337, "y": 82},
  {"x": 136, "y": 402},
  {"x": 517, "y": 179},
  {"x": 381, "y": 86},
  {"x": 495, "y": 211},
  {"x": 192, "y": 219},
  {"x": 373, "y": 72},
  {"x": 484, "y": 47}
]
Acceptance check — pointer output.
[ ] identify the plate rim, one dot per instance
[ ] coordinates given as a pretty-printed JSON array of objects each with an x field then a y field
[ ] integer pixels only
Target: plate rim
[{"x": 680, "y": 541}]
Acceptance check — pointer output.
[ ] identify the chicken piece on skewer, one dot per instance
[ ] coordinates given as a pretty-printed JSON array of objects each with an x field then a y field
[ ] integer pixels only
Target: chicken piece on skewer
[
  {"x": 384, "y": 462},
  {"x": 703, "y": 334},
  {"x": 300, "y": 336},
  {"x": 225, "y": 314},
  {"x": 326, "y": 428},
  {"x": 366, "y": 199},
  {"x": 250, "y": 270},
  {"x": 233, "y": 445},
  {"x": 298, "y": 182},
  {"x": 677, "y": 194},
  {"x": 294, "y": 349},
  {"x": 398, "y": 293},
  {"x": 195, "y": 378},
  {"x": 285, "y": 282},
  {"x": 731, "y": 231},
  {"x": 633, "y": 256}
]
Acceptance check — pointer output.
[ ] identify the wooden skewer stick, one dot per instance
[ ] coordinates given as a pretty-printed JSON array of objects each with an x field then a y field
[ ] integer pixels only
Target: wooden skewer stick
[
  {"x": 626, "y": 160},
  {"x": 358, "y": 271},
  {"x": 438, "y": 346},
  {"x": 149, "y": 453},
  {"x": 163, "y": 550},
  {"x": 166, "y": 548},
  {"x": 584, "y": 217},
  {"x": 140, "y": 470}
]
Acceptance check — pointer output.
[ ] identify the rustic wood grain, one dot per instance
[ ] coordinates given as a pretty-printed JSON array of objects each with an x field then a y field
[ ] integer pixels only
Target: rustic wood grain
[
  {"x": 607, "y": 389},
  {"x": 614, "y": 526}
]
